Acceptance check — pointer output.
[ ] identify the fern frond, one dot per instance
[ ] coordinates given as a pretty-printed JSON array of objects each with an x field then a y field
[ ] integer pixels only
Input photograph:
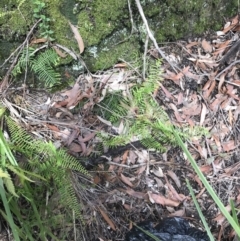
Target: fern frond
[
  {"x": 10, "y": 186},
  {"x": 41, "y": 63},
  {"x": 25, "y": 59},
  {"x": 48, "y": 162},
  {"x": 43, "y": 67},
  {"x": 143, "y": 119}
]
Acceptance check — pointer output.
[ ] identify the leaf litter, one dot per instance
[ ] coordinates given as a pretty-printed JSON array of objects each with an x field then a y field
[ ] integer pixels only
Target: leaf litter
[{"x": 138, "y": 184}]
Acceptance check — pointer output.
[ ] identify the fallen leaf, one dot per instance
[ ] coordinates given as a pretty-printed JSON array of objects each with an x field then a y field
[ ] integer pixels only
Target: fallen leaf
[
  {"x": 39, "y": 40},
  {"x": 107, "y": 219},
  {"x": 157, "y": 198},
  {"x": 126, "y": 180},
  {"x": 207, "y": 46},
  {"x": 158, "y": 172},
  {"x": 174, "y": 178},
  {"x": 72, "y": 96},
  {"x": 228, "y": 146},
  {"x": 59, "y": 52},
  {"x": 74, "y": 147},
  {"x": 203, "y": 114},
  {"x": 131, "y": 192},
  {"x": 77, "y": 37},
  {"x": 174, "y": 77},
  {"x": 178, "y": 213}
]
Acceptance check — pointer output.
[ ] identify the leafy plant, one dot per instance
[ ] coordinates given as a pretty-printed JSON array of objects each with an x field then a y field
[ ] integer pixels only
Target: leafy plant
[
  {"x": 38, "y": 10},
  {"x": 200, "y": 211},
  {"x": 141, "y": 116},
  {"x": 42, "y": 64},
  {"x": 50, "y": 171},
  {"x": 206, "y": 184}
]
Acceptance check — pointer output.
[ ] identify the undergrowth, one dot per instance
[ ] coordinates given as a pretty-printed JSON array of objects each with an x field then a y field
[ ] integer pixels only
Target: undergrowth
[
  {"x": 138, "y": 116},
  {"x": 47, "y": 203},
  {"x": 41, "y": 63}
]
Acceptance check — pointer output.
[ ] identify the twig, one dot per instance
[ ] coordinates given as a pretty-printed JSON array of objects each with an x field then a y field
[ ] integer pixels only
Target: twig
[
  {"x": 235, "y": 62},
  {"x": 150, "y": 33},
  {"x": 6, "y": 77},
  {"x": 144, "y": 56}
]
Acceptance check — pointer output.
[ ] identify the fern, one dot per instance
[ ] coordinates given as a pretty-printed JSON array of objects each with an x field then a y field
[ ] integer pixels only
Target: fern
[
  {"x": 42, "y": 64},
  {"x": 142, "y": 117},
  {"x": 43, "y": 67},
  {"x": 45, "y": 160}
]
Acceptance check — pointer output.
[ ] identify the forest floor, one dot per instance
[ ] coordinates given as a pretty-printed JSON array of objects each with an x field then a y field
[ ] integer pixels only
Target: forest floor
[{"x": 139, "y": 184}]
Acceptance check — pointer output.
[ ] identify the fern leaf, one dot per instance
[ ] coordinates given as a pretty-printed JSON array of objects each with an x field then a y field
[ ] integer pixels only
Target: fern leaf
[
  {"x": 10, "y": 186},
  {"x": 4, "y": 174}
]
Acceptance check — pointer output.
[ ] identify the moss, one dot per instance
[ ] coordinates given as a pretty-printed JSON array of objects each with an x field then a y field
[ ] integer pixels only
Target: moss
[
  {"x": 105, "y": 23},
  {"x": 181, "y": 18},
  {"x": 105, "y": 59},
  {"x": 15, "y": 24},
  {"x": 100, "y": 19}
]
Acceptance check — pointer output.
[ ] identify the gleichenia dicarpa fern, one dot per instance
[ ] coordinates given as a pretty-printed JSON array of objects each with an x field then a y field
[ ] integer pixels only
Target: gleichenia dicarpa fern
[{"x": 141, "y": 116}]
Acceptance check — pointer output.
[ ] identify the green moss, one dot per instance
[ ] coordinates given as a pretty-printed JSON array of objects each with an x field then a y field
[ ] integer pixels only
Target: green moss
[
  {"x": 17, "y": 22},
  {"x": 105, "y": 59},
  {"x": 104, "y": 23},
  {"x": 103, "y": 17},
  {"x": 180, "y": 18}
]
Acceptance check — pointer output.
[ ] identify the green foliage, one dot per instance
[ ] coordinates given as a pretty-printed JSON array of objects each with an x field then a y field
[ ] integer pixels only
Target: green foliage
[
  {"x": 41, "y": 63},
  {"x": 38, "y": 10},
  {"x": 141, "y": 116},
  {"x": 51, "y": 171}
]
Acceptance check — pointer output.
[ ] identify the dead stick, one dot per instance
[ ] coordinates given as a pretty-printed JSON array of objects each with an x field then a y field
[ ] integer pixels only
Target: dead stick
[{"x": 150, "y": 33}]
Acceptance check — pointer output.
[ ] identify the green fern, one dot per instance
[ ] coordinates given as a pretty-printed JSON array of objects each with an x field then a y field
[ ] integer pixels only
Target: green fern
[
  {"x": 45, "y": 160},
  {"x": 142, "y": 117},
  {"x": 42, "y": 65}
]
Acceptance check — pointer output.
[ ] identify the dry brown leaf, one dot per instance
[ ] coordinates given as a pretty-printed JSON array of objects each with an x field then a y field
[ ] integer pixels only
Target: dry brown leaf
[
  {"x": 127, "y": 206},
  {"x": 126, "y": 180},
  {"x": 107, "y": 219},
  {"x": 77, "y": 37},
  {"x": 210, "y": 85},
  {"x": 174, "y": 178},
  {"x": 172, "y": 193},
  {"x": 157, "y": 198},
  {"x": 172, "y": 76},
  {"x": 72, "y": 95},
  {"x": 190, "y": 45},
  {"x": 39, "y": 40},
  {"x": 192, "y": 109},
  {"x": 217, "y": 141},
  {"x": 177, "y": 114},
  {"x": 206, "y": 169},
  {"x": 131, "y": 192},
  {"x": 74, "y": 147},
  {"x": 159, "y": 182},
  {"x": 232, "y": 92},
  {"x": 158, "y": 172},
  {"x": 120, "y": 65},
  {"x": 59, "y": 52},
  {"x": 203, "y": 114},
  {"x": 132, "y": 157},
  {"x": 228, "y": 146},
  {"x": 141, "y": 169},
  {"x": 207, "y": 46},
  {"x": 222, "y": 79},
  {"x": 220, "y": 218},
  {"x": 167, "y": 93},
  {"x": 178, "y": 213},
  {"x": 201, "y": 65}
]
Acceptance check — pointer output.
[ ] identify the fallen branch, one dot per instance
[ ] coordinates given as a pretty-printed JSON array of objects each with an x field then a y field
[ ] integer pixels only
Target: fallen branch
[{"x": 150, "y": 33}]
